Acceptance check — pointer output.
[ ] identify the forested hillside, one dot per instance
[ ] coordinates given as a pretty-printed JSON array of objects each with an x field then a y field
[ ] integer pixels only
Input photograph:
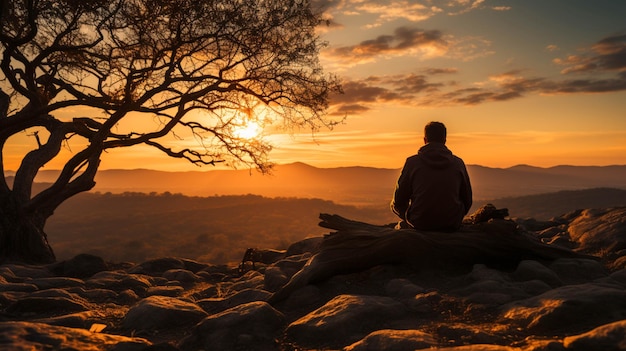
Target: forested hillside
[{"x": 136, "y": 226}]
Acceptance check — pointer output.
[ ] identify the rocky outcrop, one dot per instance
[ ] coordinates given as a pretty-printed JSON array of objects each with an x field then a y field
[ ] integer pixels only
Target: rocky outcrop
[{"x": 536, "y": 304}]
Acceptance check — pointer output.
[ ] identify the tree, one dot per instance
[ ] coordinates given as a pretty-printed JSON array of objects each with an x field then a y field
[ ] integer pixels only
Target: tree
[{"x": 95, "y": 75}]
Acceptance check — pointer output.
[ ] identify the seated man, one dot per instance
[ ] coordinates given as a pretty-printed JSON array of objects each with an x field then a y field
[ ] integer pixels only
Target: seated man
[{"x": 433, "y": 191}]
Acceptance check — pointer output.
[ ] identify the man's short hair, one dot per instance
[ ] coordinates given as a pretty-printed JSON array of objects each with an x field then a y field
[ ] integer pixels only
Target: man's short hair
[{"x": 435, "y": 132}]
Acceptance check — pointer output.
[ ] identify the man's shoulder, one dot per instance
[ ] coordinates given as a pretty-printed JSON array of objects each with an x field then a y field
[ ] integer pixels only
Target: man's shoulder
[
  {"x": 413, "y": 159},
  {"x": 459, "y": 161}
]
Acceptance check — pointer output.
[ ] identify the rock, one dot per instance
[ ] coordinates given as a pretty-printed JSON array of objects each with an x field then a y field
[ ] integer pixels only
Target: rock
[
  {"x": 533, "y": 270},
  {"x": 344, "y": 320},
  {"x": 480, "y": 347},
  {"x": 250, "y": 280},
  {"x": 171, "y": 291},
  {"x": 394, "y": 340},
  {"x": 25, "y": 271},
  {"x": 303, "y": 297},
  {"x": 242, "y": 297},
  {"x": 424, "y": 303},
  {"x": 193, "y": 266},
  {"x": 82, "y": 320},
  {"x": 463, "y": 334},
  {"x": 274, "y": 278},
  {"x": 599, "y": 231},
  {"x": 571, "y": 307},
  {"x": 577, "y": 270},
  {"x": 38, "y": 336},
  {"x": 157, "y": 267},
  {"x": 96, "y": 295},
  {"x": 23, "y": 287},
  {"x": 308, "y": 245},
  {"x": 45, "y": 306},
  {"x": 252, "y": 326},
  {"x": 127, "y": 297},
  {"x": 56, "y": 282},
  {"x": 481, "y": 272},
  {"x": 608, "y": 337},
  {"x": 120, "y": 281},
  {"x": 83, "y": 266},
  {"x": 402, "y": 288},
  {"x": 160, "y": 313},
  {"x": 182, "y": 275},
  {"x": 619, "y": 276},
  {"x": 534, "y": 287}
]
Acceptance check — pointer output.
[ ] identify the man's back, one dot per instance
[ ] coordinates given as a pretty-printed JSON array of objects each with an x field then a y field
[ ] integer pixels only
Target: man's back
[{"x": 434, "y": 190}]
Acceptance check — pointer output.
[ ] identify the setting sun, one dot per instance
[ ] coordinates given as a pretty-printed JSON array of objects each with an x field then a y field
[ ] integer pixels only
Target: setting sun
[{"x": 249, "y": 130}]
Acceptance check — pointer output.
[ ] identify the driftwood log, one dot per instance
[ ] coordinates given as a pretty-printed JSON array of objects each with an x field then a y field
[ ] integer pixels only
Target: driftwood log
[{"x": 356, "y": 246}]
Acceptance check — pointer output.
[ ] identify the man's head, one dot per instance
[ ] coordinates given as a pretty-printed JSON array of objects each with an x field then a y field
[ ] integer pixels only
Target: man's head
[{"x": 435, "y": 132}]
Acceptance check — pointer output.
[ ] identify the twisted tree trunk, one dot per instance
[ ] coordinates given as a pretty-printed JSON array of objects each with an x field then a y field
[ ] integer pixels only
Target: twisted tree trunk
[
  {"x": 358, "y": 246},
  {"x": 22, "y": 237}
]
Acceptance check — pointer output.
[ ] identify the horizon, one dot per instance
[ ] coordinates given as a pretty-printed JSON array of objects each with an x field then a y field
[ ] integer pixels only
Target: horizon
[{"x": 217, "y": 168}]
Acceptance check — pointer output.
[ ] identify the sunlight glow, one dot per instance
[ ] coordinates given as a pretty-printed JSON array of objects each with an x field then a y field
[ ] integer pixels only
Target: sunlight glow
[{"x": 250, "y": 130}]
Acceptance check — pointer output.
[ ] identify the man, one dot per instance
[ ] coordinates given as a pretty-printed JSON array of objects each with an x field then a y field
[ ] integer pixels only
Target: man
[{"x": 433, "y": 191}]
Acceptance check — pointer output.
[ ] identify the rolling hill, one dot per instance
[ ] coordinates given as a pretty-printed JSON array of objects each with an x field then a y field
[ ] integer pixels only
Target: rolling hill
[{"x": 361, "y": 186}]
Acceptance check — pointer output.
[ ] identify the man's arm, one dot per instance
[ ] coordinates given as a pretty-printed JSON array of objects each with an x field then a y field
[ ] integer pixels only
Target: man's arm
[
  {"x": 466, "y": 189},
  {"x": 402, "y": 194}
]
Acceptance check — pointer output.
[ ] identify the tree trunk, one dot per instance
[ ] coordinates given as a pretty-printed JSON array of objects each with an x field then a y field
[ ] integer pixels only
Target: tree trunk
[
  {"x": 22, "y": 237},
  {"x": 358, "y": 246}
]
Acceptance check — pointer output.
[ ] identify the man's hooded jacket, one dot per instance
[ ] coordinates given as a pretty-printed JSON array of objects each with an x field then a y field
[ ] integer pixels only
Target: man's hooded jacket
[{"x": 433, "y": 190}]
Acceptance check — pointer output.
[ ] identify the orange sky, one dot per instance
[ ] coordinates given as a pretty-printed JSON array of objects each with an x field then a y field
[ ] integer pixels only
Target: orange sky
[{"x": 517, "y": 82}]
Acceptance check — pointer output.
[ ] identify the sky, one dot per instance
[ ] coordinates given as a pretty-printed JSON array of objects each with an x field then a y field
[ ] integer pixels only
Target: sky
[
  {"x": 516, "y": 82},
  {"x": 537, "y": 82}
]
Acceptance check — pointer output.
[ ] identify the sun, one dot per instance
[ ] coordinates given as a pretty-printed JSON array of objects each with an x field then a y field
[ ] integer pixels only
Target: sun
[{"x": 250, "y": 130}]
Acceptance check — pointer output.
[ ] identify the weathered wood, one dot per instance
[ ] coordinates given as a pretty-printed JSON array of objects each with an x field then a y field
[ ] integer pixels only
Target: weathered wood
[{"x": 358, "y": 246}]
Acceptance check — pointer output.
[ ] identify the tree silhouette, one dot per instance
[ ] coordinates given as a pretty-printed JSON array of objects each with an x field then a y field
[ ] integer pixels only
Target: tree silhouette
[{"x": 95, "y": 75}]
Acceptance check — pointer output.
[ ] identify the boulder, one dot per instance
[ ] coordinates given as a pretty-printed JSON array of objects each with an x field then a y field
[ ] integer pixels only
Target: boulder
[
  {"x": 216, "y": 305},
  {"x": 532, "y": 270},
  {"x": 394, "y": 340},
  {"x": 46, "y": 306},
  {"x": 577, "y": 270},
  {"x": 161, "y": 313},
  {"x": 344, "y": 320},
  {"x": 83, "y": 266},
  {"x": 608, "y": 337},
  {"x": 599, "y": 231},
  {"x": 39, "y": 336},
  {"x": 252, "y": 326},
  {"x": 157, "y": 266},
  {"x": 572, "y": 307}
]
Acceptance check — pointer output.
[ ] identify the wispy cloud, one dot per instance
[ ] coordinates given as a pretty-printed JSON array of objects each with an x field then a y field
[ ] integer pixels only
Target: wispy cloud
[
  {"x": 359, "y": 95},
  {"x": 405, "y": 41},
  {"x": 607, "y": 55},
  {"x": 602, "y": 68},
  {"x": 410, "y": 10},
  {"x": 408, "y": 42},
  {"x": 388, "y": 11}
]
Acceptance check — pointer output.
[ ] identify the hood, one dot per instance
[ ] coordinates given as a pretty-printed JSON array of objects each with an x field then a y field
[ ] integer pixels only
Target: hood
[{"x": 436, "y": 155}]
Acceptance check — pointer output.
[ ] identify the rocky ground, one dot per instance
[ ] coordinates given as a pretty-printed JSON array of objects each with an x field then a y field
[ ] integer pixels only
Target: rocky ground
[{"x": 175, "y": 304}]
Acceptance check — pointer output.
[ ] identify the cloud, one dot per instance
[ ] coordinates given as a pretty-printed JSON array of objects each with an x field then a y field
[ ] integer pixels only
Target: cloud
[
  {"x": 393, "y": 10},
  {"x": 433, "y": 71},
  {"x": 360, "y": 95},
  {"x": 607, "y": 55},
  {"x": 602, "y": 68},
  {"x": 410, "y": 10},
  {"x": 552, "y": 47},
  {"x": 404, "y": 41}
]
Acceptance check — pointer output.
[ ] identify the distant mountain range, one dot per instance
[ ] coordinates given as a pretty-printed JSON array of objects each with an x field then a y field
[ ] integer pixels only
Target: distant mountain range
[{"x": 350, "y": 185}]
